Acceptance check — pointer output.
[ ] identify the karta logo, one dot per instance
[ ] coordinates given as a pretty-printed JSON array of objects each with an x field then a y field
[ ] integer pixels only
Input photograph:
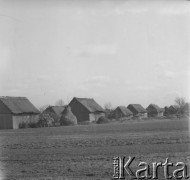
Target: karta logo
[{"x": 122, "y": 169}]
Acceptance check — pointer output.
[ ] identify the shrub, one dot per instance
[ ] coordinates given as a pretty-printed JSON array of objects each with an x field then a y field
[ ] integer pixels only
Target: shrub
[
  {"x": 45, "y": 120},
  {"x": 32, "y": 124},
  {"x": 23, "y": 125},
  {"x": 102, "y": 120}
]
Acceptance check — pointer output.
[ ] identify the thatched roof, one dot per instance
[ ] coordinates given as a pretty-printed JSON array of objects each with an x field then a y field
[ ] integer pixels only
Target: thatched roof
[
  {"x": 174, "y": 107},
  {"x": 19, "y": 105},
  {"x": 67, "y": 117},
  {"x": 125, "y": 111},
  {"x": 136, "y": 108},
  {"x": 90, "y": 104},
  {"x": 156, "y": 107},
  {"x": 56, "y": 109}
]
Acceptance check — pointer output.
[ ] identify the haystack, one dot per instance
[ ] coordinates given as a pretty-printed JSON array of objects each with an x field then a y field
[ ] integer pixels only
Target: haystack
[
  {"x": 102, "y": 120},
  {"x": 67, "y": 117}
]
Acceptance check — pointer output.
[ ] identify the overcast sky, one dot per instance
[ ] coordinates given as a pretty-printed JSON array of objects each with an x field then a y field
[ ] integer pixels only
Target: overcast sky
[{"x": 113, "y": 51}]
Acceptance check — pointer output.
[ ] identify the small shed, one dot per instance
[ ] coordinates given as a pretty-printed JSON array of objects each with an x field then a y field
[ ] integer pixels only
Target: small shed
[
  {"x": 16, "y": 110},
  {"x": 122, "y": 111},
  {"x": 86, "y": 109},
  {"x": 137, "y": 110},
  {"x": 154, "y": 111}
]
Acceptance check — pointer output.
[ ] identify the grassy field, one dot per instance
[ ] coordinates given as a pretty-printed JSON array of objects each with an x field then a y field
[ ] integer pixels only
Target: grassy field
[{"x": 86, "y": 151}]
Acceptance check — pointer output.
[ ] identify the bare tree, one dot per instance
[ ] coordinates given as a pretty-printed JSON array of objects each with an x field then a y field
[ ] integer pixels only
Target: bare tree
[
  {"x": 60, "y": 102},
  {"x": 108, "y": 110},
  {"x": 180, "y": 102},
  {"x": 108, "y": 106}
]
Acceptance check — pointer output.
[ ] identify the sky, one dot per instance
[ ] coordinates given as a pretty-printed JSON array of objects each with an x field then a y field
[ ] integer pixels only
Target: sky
[{"x": 120, "y": 52}]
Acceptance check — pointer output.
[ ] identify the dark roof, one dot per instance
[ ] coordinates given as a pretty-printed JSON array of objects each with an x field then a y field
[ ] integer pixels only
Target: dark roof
[
  {"x": 156, "y": 107},
  {"x": 57, "y": 109},
  {"x": 90, "y": 104},
  {"x": 125, "y": 110},
  {"x": 137, "y": 107},
  {"x": 174, "y": 107},
  {"x": 19, "y": 105}
]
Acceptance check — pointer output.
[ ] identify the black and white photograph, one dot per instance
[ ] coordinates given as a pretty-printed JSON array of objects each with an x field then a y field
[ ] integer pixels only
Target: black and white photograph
[{"x": 94, "y": 89}]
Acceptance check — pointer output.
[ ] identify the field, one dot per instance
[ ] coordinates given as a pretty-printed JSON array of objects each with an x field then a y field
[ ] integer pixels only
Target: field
[{"x": 87, "y": 151}]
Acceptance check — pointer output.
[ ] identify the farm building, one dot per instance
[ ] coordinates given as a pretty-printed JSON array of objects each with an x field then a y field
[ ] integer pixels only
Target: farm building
[
  {"x": 137, "y": 110},
  {"x": 122, "y": 111},
  {"x": 15, "y": 110},
  {"x": 86, "y": 109},
  {"x": 154, "y": 111},
  {"x": 54, "y": 111},
  {"x": 172, "y": 110}
]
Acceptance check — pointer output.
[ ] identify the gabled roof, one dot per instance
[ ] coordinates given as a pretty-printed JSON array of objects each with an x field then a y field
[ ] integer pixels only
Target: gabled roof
[
  {"x": 57, "y": 109},
  {"x": 175, "y": 107},
  {"x": 125, "y": 110},
  {"x": 137, "y": 107},
  {"x": 19, "y": 105},
  {"x": 90, "y": 104},
  {"x": 156, "y": 107}
]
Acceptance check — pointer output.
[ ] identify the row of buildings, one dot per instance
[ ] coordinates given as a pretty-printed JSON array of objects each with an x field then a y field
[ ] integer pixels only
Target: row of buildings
[{"x": 15, "y": 110}]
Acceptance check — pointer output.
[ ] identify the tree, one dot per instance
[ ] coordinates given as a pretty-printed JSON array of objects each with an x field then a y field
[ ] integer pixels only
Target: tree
[
  {"x": 180, "y": 102},
  {"x": 108, "y": 106},
  {"x": 59, "y": 102},
  {"x": 108, "y": 110}
]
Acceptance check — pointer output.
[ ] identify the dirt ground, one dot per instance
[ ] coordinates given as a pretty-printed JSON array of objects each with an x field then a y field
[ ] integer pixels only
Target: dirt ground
[{"x": 87, "y": 151}]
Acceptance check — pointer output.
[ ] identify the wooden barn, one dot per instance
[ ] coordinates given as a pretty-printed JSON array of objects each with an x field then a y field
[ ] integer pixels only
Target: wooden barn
[
  {"x": 137, "y": 110},
  {"x": 172, "y": 110},
  {"x": 15, "y": 110},
  {"x": 54, "y": 111},
  {"x": 122, "y": 111},
  {"x": 86, "y": 109},
  {"x": 154, "y": 111}
]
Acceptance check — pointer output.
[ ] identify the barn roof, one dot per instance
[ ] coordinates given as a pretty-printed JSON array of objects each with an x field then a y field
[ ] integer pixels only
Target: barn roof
[
  {"x": 90, "y": 104},
  {"x": 19, "y": 105},
  {"x": 173, "y": 107},
  {"x": 137, "y": 107},
  {"x": 156, "y": 107},
  {"x": 125, "y": 110},
  {"x": 57, "y": 109}
]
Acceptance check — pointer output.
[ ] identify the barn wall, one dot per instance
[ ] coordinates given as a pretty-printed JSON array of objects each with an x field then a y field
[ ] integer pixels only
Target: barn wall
[
  {"x": 171, "y": 110},
  {"x": 95, "y": 116},
  {"x": 92, "y": 117},
  {"x": 17, "y": 119},
  {"x": 6, "y": 121},
  {"x": 79, "y": 111},
  {"x": 143, "y": 115},
  {"x": 160, "y": 114}
]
